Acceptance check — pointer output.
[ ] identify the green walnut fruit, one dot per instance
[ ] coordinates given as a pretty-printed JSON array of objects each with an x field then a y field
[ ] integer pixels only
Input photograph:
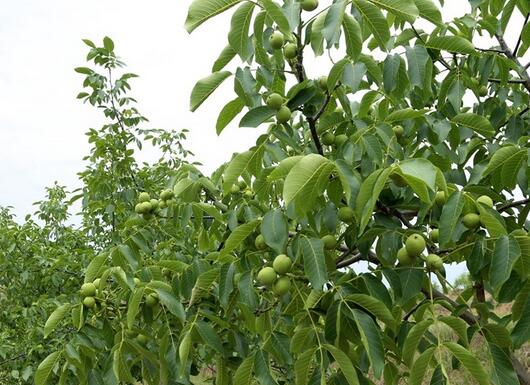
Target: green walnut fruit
[
  {"x": 290, "y": 50},
  {"x": 471, "y": 220},
  {"x": 281, "y": 286},
  {"x": 323, "y": 82},
  {"x": 283, "y": 115},
  {"x": 276, "y": 40},
  {"x": 482, "y": 91},
  {"x": 434, "y": 236},
  {"x": 434, "y": 262},
  {"x": 328, "y": 139},
  {"x": 415, "y": 244},
  {"x": 440, "y": 198},
  {"x": 142, "y": 339},
  {"x": 143, "y": 197},
  {"x": 329, "y": 242},
  {"x": 96, "y": 282},
  {"x": 485, "y": 200},
  {"x": 137, "y": 281},
  {"x": 404, "y": 258},
  {"x": 249, "y": 194},
  {"x": 266, "y": 276},
  {"x": 138, "y": 208},
  {"x": 398, "y": 131},
  {"x": 282, "y": 264},
  {"x": 88, "y": 289},
  {"x": 89, "y": 302},
  {"x": 346, "y": 214},
  {"x": 154, "y": 204},
  {"x": 341, "y": 139},
  {"x": 309, "y": 5},
  {"x": 151, "y": 300},
  {"x": 274, "y": 101},
  {"x": 259, "y": 242},
  {"x": 162, "y": 204},
  {"x": 166, "y": 194},
  {"x": 145, "y": 207},
  {"x": 234, "y": 189}
]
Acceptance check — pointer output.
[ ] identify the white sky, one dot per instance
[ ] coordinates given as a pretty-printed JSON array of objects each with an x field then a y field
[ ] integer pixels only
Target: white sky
[{"x": 42, "y": 125}]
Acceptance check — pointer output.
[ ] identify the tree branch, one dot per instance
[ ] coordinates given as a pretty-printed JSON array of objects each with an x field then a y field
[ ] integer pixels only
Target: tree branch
[
  {"x": 507, "y": 206},
  {"x": 509, "y": 54},
  {"x": 520, "y": 35}
]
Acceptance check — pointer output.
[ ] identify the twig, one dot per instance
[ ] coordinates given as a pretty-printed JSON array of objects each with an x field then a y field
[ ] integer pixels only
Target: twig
[{"x": 507, "y": 206}]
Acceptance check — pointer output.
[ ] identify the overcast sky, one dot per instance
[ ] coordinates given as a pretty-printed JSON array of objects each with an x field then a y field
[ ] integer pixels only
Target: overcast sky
[{"x": 42, "y": 125}]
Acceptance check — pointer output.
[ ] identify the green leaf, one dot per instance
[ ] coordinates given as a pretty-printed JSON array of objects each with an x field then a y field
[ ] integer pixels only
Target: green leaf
[
  {"x": 420, "y": 168},
  {"x": 209, "y": 336},
  {"x": 371, "y": 338},
  {"x": 353, "y": 36},
  {"x": 275, "y": 230},
  {"x": 44, "y": 370},
  {"x": 203, "y": 284},
  {"x": 243, "y": 374},
  {"x": 375, "y": 21},
  {"x": 239, "y": 27},
  {"x": 302, "y": 366},
  {"x": 336, "y": 73},
  {"x": 469, "y": 361},
  {"x": 54, "y": 318},
  {"x": 133, "y": 307},
  {"x": 314, "y": 262},
  {"x": 333, "y": 20},
  {"x": 345, "y": 364},
  {"x": 459, "y": 326},
  {"x": 171, "y": 303},
  {"x": 184, "y": 350},
  {"x": 506, "y": 162},
  {"x": 204, "y": 88},
  {"x": 505, "y": 255},
  {"x": 521, "y": 331},
  {"x": 210, "y": 210},
  {"x": 108, "y": 44},
  {"x": 93, "y": 269},
  {"x": 476, "y": 122},
  {"x": 429, "y": 11},
  {"x": 202, "y": 10},
  {"x": 420, "y": 367},
  {"x": 228, "y": 113},
  {"x": 503, "y": 372},
  {"x": 413, "y": 339},
  {"x": 450, "y": 216},
  {"x": 276, "y": 14},
  {"x": 407, "y": 113},
  {"x": 284, "y": 167},
  {"x": 262, "y": 369},
  {"x": 225, "y": 57},
  {"x": 306, "y": 180},
  {"x": 492, "y": 221},
  {"x": 405, "y": 9},
  {"x": 369, "y": 194},
  {"x": 256, "y": 116},
  {"x": 241, "y": 163},
  {"x": 417, "y": 58},
  {"x": 374, "y": 306},
  {"x": 451, "y": 44},
  {"x": 237, "y": 236}
]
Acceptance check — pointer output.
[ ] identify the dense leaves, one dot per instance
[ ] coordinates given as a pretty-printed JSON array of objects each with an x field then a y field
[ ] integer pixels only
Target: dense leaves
[{"x": 409, "y": 155}]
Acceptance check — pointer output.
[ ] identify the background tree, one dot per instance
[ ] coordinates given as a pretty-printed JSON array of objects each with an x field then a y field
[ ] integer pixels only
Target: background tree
[{"x": 407, "y": 155}]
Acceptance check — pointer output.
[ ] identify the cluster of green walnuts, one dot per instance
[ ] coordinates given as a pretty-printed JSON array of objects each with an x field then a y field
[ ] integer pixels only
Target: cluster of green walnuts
[{"x": 148, "y": 206}]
